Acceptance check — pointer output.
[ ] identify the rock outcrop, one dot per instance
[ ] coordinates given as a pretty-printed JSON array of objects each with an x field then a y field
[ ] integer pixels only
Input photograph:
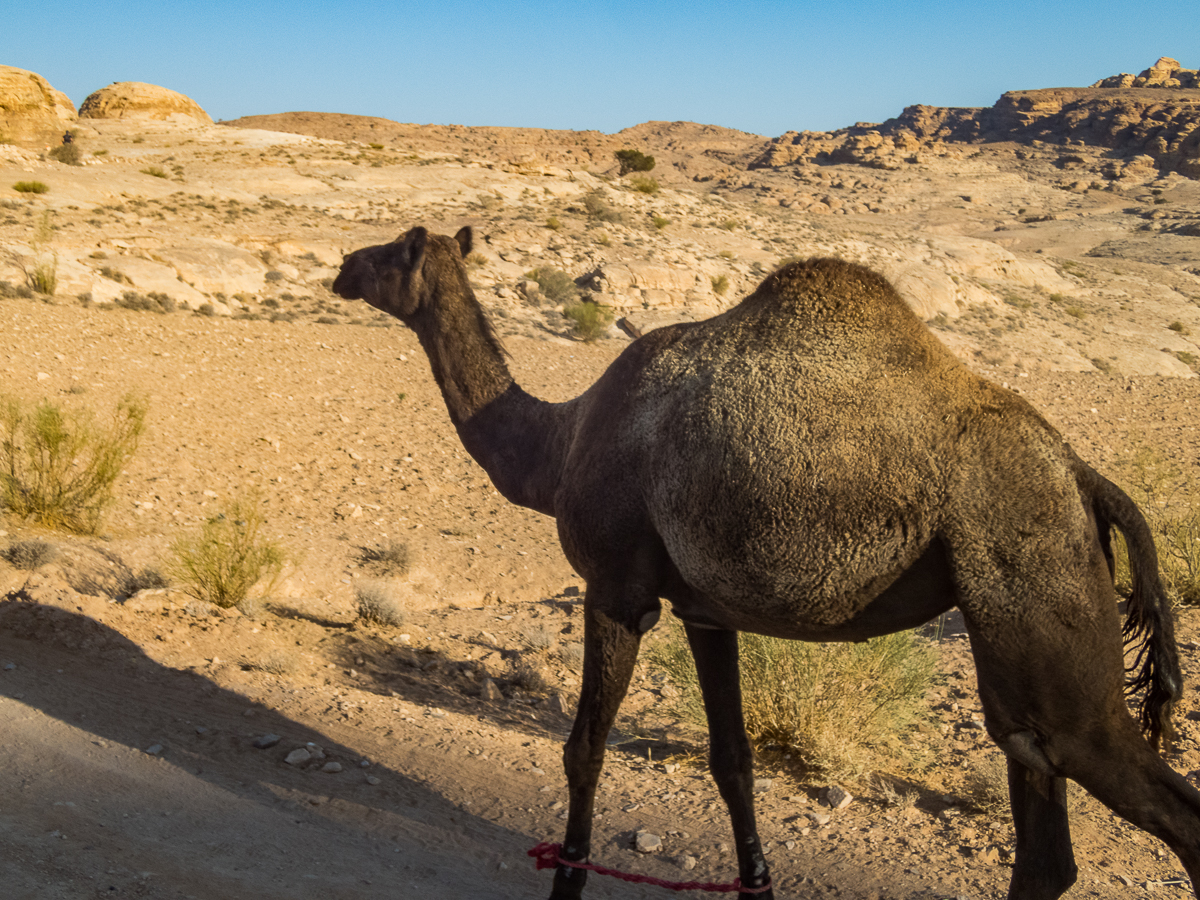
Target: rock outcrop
[
  {"x": 1155, "y": 115},
  {"x": 1165, "y": 73},
  {"x": 134, "y": 100},
  {"x": 31, "y": 111}
]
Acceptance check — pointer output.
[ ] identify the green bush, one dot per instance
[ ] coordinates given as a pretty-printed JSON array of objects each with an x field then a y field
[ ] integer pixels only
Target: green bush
[
  {"x": 589, "y": 321},
  {"x": 660, "y": 222},
  {"x": 634, "y": 161},
  {"x": 31, "y": 187},
  {"x": 228, "y": 557},
  {"x": 832, "y": 705},
  {"x": 58, "y": 467},
  {"x": 555, "y": 284}
]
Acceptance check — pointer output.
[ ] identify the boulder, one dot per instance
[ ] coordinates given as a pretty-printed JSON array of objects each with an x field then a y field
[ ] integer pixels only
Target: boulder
[
  {"x": 31, "y": 111},
  {"x": 134, "y": 100}
]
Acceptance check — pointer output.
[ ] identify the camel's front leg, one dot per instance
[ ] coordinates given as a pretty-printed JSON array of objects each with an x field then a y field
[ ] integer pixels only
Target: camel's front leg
[
  {"x": 610, "y": 648},
  {"x": 730, "y": 757}
]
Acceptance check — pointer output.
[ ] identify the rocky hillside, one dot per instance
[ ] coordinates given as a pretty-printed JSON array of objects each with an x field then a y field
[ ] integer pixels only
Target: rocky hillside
[
  {"x": 1146, "y": 125},
  {"x": 1024, "y": 245}
]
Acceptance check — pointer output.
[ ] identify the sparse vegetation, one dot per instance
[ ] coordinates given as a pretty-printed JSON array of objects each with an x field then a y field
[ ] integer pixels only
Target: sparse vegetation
[
  {"x": 378, "y": 605},
  {"x": 589, "y": 320},
  {"x": 553, "y": 224},
  {"x": 154, "y": 301},
  {"x": 1167, "y": 497},
  {"x": 393, "y": 558},
  {"x": 1075, "y": 312},
  {"x": 633, "y": 161},
  {"x": 57, "y": 467},
  {"x": 154, "y": 171},
  {"x": 833, "y": 705},
  {"x": 598, "y": 208},
  {"x": 1179, "y": 328},
  {"x": 31, "y": 187},
  {"x": 720, "y": 284},
  {"x": 555, "y": 284},
  {"x": 660, "y": 222},
  {"x": 68, "y": 154},
  {"x": 29, "y": 555},
  {"x": 987, "y": 784},
  {"x": 644, "y": 184},
  {"x": 228, "y": 557}
]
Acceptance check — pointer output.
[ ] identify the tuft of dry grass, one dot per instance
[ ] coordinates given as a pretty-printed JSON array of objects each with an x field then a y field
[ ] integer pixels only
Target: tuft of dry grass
[
  {"x": 987, "y": 784},
  {"x": 834, "y": 706},
  {"x": 378, "y": 605},
  {"x": 1167, "y": 498},
  {"x": 228, "y": 557},
  {"x": 393, "y": 558},
  {"x": 29, "y": 555}
]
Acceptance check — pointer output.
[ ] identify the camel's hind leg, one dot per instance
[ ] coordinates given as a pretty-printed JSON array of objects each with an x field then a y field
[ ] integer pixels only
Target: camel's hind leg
[
  {"x": 730, "y": 757},
  {"x": 1045, "y": 865},
  {"x": 1051, "y": 681}
]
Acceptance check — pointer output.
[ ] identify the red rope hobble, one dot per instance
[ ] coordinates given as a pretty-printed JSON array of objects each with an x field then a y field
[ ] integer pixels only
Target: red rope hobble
[{"x": 546, "y": 856}]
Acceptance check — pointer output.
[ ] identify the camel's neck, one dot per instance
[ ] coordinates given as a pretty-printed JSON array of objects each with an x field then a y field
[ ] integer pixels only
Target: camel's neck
[{"x": 518, "y": 440}]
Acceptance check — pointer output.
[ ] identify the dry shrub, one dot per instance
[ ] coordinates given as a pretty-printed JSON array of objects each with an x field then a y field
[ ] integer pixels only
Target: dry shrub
[
  {"x": 529, "y": 676},
  {"x": 834, "y": 706},
  {"x": 278, "y": 662},
  {"x": 378, "y": 605},
  {"x": 987, "y": 784},
  {"x": 228, "y": 557},
  {"x": 58, "y": 467},
  {"x": 393, "y": 558},
  {"x": 29, "y": 555},
  {"x": 538, "y": 638}
]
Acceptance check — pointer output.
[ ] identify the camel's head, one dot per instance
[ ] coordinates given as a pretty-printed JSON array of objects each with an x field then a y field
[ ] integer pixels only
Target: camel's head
[{"x": 398, "y": 278}]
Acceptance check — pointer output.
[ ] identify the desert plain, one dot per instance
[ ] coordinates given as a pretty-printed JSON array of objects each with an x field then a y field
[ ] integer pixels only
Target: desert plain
[{"x": 1052, "y": 241}]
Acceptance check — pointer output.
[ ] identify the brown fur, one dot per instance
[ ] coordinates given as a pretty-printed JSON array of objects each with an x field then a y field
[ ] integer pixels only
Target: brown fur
[{"x": 814, "y": 464}]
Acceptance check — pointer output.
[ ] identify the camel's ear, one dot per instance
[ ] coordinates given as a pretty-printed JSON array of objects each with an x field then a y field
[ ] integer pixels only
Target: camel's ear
[
  {"x": 412, "y": 248},
  {"x": 464, "y": 238}
]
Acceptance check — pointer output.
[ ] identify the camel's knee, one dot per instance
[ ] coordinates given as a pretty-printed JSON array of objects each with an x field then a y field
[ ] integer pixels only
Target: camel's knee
[{"x": 1023, "y": 747}]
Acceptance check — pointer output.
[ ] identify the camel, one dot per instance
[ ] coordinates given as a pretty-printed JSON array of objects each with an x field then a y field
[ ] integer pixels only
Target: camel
[{"x": 814, "y": 464}]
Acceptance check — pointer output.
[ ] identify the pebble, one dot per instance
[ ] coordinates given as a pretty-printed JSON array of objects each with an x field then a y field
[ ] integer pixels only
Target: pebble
[
  {"x": 154, "y": 749},
  {"x": 8, "y": 667},
  {"x": 836, "y": 797},
  {"x": 819, "y": 818},
  {"x": 685, "y": 862},
  {"x": 372, "y": 779},
  {"x": 200, "y": 729},
  {"x": 298, "y": 756},
  {"x": 267, "y": 741},
  {"x": 646, "y": 842},
  {"x": 762, "y": 785},
  {"x": 332, "y": 767},
  {"x": 314, "y": 751}
]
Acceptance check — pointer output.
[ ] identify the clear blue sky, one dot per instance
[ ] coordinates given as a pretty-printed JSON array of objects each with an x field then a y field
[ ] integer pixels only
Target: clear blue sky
[{"x": 763, "y": 67}]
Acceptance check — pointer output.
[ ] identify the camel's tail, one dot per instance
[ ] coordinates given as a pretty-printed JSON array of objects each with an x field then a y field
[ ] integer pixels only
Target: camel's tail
[{"x": 1149, "y": 622}]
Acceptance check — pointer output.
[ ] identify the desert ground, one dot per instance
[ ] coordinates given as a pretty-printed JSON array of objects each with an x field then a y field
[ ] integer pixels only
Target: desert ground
[{"x": 132, "y": 718}]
